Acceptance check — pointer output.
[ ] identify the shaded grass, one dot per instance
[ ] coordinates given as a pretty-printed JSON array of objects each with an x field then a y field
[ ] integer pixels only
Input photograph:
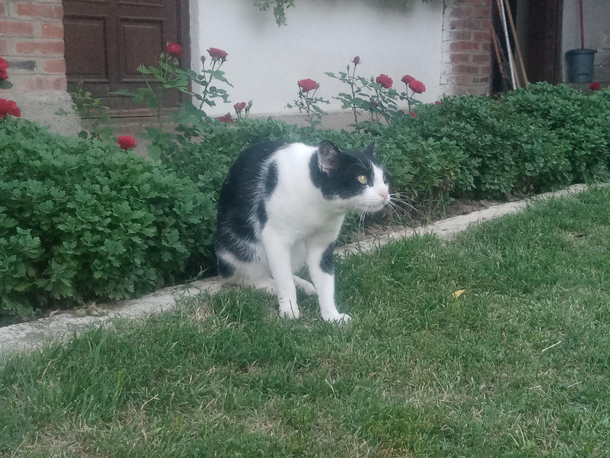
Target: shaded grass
[{"x": 517, "y": 366}]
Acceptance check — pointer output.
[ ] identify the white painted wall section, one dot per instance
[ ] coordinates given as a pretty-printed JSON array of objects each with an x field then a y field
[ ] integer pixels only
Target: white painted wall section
[{"x": 266, "y": 61}]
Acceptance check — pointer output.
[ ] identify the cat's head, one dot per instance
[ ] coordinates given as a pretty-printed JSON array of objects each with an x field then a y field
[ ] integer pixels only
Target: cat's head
[{"x": 355, "y": 178}]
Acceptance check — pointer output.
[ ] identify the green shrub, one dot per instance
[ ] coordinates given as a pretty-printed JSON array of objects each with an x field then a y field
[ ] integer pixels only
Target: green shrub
[
  {"x": 81, "y": 220},
  {"x": 581, "y": 122},
  {"x": 421, "y": 169}
]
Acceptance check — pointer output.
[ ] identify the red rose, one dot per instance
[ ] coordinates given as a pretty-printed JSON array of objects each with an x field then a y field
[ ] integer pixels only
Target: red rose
[
  {"x": 437, "y": 103},
  {"x": 227, "y": 118},
  {"x": 594, "y": 86},
  {"x": 417, "y": 86},
  {"x": 126, "y": 142},
  {"x": 407, "y": 79},
  {"x": 174, "y": 49},
  {"x": 308, "y": 85},
  {"x": 412, "y": 114},
  {"x": 384, "y": 80},
  {"x": 3, "y": 67},
  {"x": 239, "y": 106},
  {"x": 218, "y": 54},
  {"x": 356, "y": 60},
  {"x": 8, "y": 107}
]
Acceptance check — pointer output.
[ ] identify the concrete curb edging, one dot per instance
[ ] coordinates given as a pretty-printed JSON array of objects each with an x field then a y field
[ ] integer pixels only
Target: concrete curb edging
[{"x": 30, "y": 335}]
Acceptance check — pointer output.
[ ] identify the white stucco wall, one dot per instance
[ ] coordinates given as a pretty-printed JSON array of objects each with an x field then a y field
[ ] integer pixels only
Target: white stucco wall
[
  {"x": 596, "y": 18},
  {"x": 265, "y": 62}
]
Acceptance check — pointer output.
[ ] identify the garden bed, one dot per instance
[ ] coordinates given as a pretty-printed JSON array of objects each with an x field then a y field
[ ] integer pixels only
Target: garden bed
[{"x": 82, "y": 221}]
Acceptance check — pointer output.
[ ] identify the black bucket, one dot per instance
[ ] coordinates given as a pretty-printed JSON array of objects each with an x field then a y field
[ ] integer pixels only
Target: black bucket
[{"x": 580, "y": 65}]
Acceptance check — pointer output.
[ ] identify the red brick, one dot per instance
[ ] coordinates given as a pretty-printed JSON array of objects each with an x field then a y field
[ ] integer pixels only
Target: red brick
[
  {"x": 40, "y": 47},
  {"x": 1, "y": 9},
  {"x": 481, "y": 36},
  {"x": 45, "y": 83},
  {"x": 456, "y": 24},
  {"x": 486, "y": 47},
  {"x": 459, "y": 58},
  {"x": 3, "y": 47},
  {"x": 16, "y": 28},
  {"x": 482, "y": 79},
  {"x": 485, "y": 70},
  {"x": 463, "y": 80},
  {"x": 465, "y": 70},
  {"x": 480, "y": 58},
  {"x": 55, "y": 66},
  {"x": 484, "y": 12},
  {"x": 52, "y": 30},
  {"x": 42, "y": 11},
  {"x": 457, "y": 35},
  {"x": 464, "y": 46},
  {"x": 460, "y": 12}
]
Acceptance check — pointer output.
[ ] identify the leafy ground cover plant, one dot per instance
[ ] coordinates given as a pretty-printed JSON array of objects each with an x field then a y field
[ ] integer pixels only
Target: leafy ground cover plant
[
  {"x": 581, "y": 121},
  {"x": 514, "y": 366},
  {"x": 81, "y": 220}
]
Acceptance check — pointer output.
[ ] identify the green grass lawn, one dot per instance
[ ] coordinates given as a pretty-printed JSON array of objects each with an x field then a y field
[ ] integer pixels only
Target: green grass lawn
[{"x": 518, "y": 366}]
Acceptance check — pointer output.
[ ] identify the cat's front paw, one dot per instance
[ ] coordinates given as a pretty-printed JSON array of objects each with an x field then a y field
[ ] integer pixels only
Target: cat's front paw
[{"x": 336, "y": 317}]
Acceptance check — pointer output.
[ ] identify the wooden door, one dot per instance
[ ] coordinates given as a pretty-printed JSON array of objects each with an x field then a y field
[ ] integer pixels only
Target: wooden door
[{"x": 106, "y": 41}]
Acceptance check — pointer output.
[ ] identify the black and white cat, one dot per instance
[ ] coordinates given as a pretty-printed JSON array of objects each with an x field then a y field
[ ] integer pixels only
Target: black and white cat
[{"x": 282, "y": 206}]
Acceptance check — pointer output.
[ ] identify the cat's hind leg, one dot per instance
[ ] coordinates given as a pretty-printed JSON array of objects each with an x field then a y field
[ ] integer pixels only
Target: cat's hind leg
[{"x": 304, "y": 285}]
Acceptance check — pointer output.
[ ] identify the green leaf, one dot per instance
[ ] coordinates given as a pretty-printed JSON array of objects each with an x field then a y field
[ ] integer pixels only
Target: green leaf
[{"x": 154, "y": 151}]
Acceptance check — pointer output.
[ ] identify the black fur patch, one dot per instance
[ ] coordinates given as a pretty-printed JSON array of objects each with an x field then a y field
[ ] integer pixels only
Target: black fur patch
[
  {"x": 225, "y": 270},
  {"x": 239, "y": 195},
  {"x": 327, "y": 263},
  {"x": 343, "y": 182},
  {"x": 261, "y": 213},
  {"x": 271, "y": 180}
]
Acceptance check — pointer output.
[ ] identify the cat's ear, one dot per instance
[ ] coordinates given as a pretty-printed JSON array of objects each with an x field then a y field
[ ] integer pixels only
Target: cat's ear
[
  {"x": 329, "y": 157},
  {"x": 370, "y": 149}
]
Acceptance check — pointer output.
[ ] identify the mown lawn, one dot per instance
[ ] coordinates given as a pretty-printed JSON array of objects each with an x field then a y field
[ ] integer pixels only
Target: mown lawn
[{"x": 518, "y": 366}]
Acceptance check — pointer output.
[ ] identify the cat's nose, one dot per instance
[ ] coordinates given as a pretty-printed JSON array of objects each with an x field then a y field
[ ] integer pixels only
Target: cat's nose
[{"x": 384, "y": 195}]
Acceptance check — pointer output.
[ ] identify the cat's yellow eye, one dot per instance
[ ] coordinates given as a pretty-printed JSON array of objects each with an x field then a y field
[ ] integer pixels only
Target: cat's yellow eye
[{"x": 362, "y": 179}]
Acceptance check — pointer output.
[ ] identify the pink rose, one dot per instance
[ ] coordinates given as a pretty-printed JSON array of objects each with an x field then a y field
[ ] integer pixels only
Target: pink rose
[
  {"x": 126, "y": 142},
  {"x": 308, "y": 85},
  {"x": 384, "y": 80},
  {"x": 9, "y": 107},
  {"x": 417, "y": 86},
  {"x": 407, "y": 79},
  {"x": 3, "y": 67},
  {"x": 174, "y": 49},
  {"x": 412, "y": 114},
  {"x": 226, "y": 118},
  {"x": 239, "y": 106},
  {"x": 218, "y": 54},
  {"x": 356, "y": 60}
]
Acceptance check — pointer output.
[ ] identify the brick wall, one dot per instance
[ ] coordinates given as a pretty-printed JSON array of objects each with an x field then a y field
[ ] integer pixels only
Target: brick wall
[
  {"x": 466, "y": 48},
  {"x": 32, "y": 42}
]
